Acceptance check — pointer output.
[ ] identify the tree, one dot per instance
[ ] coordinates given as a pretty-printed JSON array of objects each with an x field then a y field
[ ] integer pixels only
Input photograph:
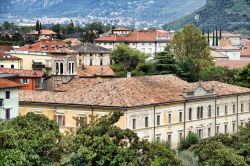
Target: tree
[
  {"x": 165, "y": 63},
  {"x": 29, "y": 140},
  {"x": 190, "y": 48},
  {"x": 243, "y": 142},
  {"x": 103, "y": 143},
  {"x": 37, "y": 26},
  {"x": 127, "y": 60},
  {"x": 243, "y": 77},
  {"x": 188, "y": 158},
  {"x": 222, "y": 74},
  {"x": 187, "y": 142}
]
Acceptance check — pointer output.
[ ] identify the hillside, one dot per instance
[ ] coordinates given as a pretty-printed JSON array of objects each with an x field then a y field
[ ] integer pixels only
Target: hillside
[
  {"x": 231, "y": 15},
  {"x": 161, "y": 11}
]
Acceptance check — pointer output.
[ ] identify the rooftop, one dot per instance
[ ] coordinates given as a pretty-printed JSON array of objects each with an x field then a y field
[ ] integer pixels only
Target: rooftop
[
  {"x": 43, "y": 32},
  {"x": 22, "y": 73},
  {"x": 125, "y": 92},
  {"x": 138, "y": 36},
  {"x": 45, "y": 46},
  {"x": 95, "y": 71},
  {"x": 5, "y": 83},
  {"x": 232, "y": 64},
  {"x": 4, "y": 56}
]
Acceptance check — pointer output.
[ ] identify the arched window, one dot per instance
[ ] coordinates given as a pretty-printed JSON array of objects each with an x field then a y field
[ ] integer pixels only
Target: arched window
[
  {"x": 190, "y": 114},
  {"x": 209, "y": 111},
  {"x": 201, "y": 113},
  {"x": 61, "y": 68},
  {"x": 57, "y": 68},
  {"x": 198, "y": 113}
]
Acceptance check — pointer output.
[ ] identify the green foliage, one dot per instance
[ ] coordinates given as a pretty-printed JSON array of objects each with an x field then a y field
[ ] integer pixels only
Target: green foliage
[
  {"x": 243, "y": 142},
  {"x": 191, "y": 51},
  {"x": 222, "y": 74},
  {"x": 29, "y": 140},
  {"x": 188, "y": 158},
  {"x": 187, "y": 142},
  {"x": 243, "y": 77},
  {"x": 165, "y": 63},
  {"x": 129, "y": 60},
  {"x": 102, "y": 143}
]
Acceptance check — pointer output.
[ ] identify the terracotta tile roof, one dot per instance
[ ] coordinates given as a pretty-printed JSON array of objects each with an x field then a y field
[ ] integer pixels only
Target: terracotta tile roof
[
  {"x": 125, "y": 92},
  {"x": 5, "y": 83},
  {"x": 232, "y": 64},
  {"x": 5, "y": 48},
  {"x": 43, "y": 32},
  {"x": 225, "y": 42},
  {"x": 46, "y": 46},
  {"x": 63, "y": 51},
  {"x": 95, "y": 71},
  {"x": 4, "y": 56},
  {"x": 137, "y": 36},
  {"x": 245, "y": 52},
  {"x": 22, "y": 73}
]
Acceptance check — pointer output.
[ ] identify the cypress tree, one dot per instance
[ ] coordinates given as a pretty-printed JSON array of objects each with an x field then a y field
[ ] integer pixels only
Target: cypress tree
[
  {"x": 203, "y": 31},
  {"x": 37, "y": 25},
  {"x": 216, "y": 39},
  {"x": 208, "y": 37},
  {"x": 40, "y": 26},
  {"x": 213, "y": 39},
  {"x": 220, "y": 33}
]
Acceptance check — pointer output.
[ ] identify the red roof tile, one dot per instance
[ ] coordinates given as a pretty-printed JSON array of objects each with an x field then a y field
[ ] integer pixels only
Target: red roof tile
[
  {"x": 22, "y": 73},
  {"x": 5, "y": 83},
  {"x": 148, "y": 36},
  {"x": 232, "y": 64},
  {"x": 46, "y": 46},
  {"x": 4, "y": 56},
  {"x": 125, "y": 92},
  {"x": 43, "y": 32},
  {"x": 95, "y": 71}
]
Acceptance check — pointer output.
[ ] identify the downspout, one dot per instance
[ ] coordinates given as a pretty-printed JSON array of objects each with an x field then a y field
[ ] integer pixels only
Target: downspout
[
  {"x": 237, "y": 114},
  {"x": 215, "y": 116},
  {"x": 184, "y": 119},
  {"x": 154, "y": 125}
]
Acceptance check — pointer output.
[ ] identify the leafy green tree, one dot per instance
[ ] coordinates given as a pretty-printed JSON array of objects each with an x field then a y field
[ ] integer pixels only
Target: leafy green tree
[
  {"x": 243, "y": 77},
  {"x": 103, "y": 143},
  {"x": 165, "y": 63},
  {"x": 188, "y": 158},
  {"x": 243, "y": 142},
  {"x": 222, "y": 74},
  {"x": 29, "y": 140},
  {"x": 187, "y": 142},
  {"x": 128, "y": 60},
  {"x": 190, "y": 48}
]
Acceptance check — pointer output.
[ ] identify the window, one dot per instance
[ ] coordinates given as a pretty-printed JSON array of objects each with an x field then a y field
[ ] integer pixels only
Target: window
[
  {"x": 61, "y": 68},
  {"x": 7, "y": 95},
  {"x": 180, "y": 116},
  {"x": 234, "y": 109},
  {"x": 101, "y": 62},
  {"x": 7, "y": 114},
  {"x": 1, "y": 66},
  {"x": 234, "y": 127},
  {"x": 158, "y": 120},
  {"x": 209, "y": 132},
  {"x": 81, "y": 120},
  {"x": 111, "y": 62},
  {"x": 199, "y": 112},
  {"x": 24, "y": 81},
  {"x": 158, "y": 138},
  {"x": 190, "y": 114},
  {"x": 218, "y": 111},
  {"x": 1, "y": 102},
  {"x": 60, "y": 119},
  {"x": 226, "y": 110},
  {"x": 169, "y": 119},
  {"x": 90, "y": 62},
  {"x": 71, "y": 67},
  {"x": 209, "y": 111},
  {"x": 169, "y": 139},
  {"x": 200, "y": 133},
  {"x": 146, "y": 121},
  {"x": 57, "y": 68},
  {"x": 242, "y": 107},
  {"x": 80, "y": 62},
  {"x": 225, "y": 128},
  {"x": 90, "y": 55},
  {"x": 134, "y": 124},
  {"x": 180, "y": 137},
  {"x": 217, "y": 129},
  {"x": 12, "y": 66}
]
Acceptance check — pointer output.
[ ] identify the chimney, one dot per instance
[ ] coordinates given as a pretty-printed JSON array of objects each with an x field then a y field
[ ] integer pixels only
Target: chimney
[{"x": 129, "y": 75}]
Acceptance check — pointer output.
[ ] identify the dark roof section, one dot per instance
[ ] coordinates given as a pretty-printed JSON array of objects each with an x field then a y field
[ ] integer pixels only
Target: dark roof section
[
  {"x": 90, "y": 48},
  {"x": 5, "y": 83}
]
